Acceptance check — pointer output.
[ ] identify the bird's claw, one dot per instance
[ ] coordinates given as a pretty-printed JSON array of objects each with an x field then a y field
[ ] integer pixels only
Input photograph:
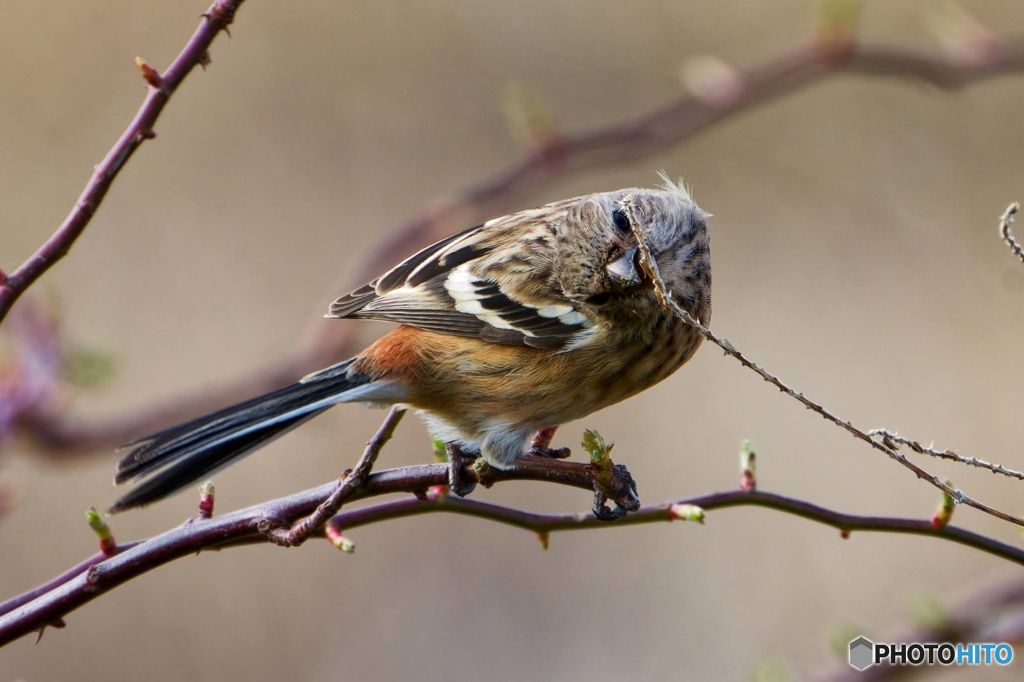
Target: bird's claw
[
  {"x": 618, "y": 487},
  {"x": 550, "y": 453},
  {"x": 460, "y": 481}
]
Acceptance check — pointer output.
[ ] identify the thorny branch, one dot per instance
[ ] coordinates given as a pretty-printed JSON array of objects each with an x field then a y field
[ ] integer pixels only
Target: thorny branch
[
  {"x": 160, "y": 87},
  {"x": 552, "y": 156},
  {"x": 893, "y": 441},
  {"x": 99, "y": 574},
  {"x": 885, "y": 445},
  {"x": 1007, "y": 234}
]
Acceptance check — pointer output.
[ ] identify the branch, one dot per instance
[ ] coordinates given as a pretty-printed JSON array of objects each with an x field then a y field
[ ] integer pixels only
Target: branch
[
  {"x": 159, "y": 91},
  {"x": 50, "y": 603},
  {"x": 1005, "y": 221},
  {"x": 555, "y": 156},
  {"x": 894, "y": 440},
  {"x": 885, "y": 445},
  {"x": 350, "y": 482}
]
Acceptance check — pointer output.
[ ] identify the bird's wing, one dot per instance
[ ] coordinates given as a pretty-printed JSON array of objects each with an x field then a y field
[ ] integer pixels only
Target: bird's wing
[{"x": 495, "y": 281}]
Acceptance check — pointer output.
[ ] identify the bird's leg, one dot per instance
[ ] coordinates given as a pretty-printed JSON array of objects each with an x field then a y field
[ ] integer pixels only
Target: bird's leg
[
  {"x": 460, "y": 481},
  {"x": 541, "y": 445}
]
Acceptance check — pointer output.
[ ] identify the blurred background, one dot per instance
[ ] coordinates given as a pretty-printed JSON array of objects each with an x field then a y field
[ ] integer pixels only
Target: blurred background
[{"x": 855, "y": 254}]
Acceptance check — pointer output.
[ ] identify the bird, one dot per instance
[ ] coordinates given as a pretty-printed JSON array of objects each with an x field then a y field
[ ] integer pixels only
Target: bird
[{"x": 520, "y": 324}]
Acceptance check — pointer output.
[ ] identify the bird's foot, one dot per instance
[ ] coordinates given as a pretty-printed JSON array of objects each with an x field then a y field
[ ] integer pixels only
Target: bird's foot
[
  {"x": 461, "y": 482},
  {"x": 618, "y": 487},
  {"x": 611, "y": 482},
  {"x": 540, "y": 446},
  {"x": 551, "y": 453}
]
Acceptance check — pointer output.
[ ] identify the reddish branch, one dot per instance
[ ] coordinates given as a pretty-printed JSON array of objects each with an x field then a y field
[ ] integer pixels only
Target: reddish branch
[
  {"x": 160, "y": 87},
  {"x": 97, "y": 575},
  {"x": 554, "y": 156}
]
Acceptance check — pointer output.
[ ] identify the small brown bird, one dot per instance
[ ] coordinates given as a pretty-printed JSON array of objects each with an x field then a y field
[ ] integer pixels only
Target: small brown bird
[{"x": 525, "y": 322}]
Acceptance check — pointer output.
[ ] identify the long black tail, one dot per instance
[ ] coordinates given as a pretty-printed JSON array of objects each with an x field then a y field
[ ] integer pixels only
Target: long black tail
[{"x": 183, "y": 454}]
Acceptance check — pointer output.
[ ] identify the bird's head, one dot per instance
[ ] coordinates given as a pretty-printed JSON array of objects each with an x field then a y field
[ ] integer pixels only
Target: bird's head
[{"x": 598, "y": 258}]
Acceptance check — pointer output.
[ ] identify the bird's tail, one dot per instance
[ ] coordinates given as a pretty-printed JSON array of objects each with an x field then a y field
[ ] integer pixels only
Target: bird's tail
[{"x": 183, "y": 454}]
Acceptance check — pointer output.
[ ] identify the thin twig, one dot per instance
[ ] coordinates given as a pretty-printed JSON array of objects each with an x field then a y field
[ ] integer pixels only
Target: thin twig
[
  {"x": 347, "y": 485},
  {"x": 160, "y": 87},
  {"x": 666, "y": 299},
  {"x": 559, "y": 155},
  {"x": 1007, "y": 234},
  {"x": 21, "y": 616},
  {"x": 894, "y": 440}
]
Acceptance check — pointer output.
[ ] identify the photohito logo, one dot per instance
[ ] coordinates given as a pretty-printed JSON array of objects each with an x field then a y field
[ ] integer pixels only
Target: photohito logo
[{"x": 864, "y": 653}]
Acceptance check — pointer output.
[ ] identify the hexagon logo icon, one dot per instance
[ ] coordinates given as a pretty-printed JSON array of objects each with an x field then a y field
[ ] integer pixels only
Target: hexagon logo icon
[{"x": 862, "y": 652}]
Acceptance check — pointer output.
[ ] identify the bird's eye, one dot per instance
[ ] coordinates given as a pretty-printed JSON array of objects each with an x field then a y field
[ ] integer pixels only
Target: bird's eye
[{"x": 621, "y": 221}]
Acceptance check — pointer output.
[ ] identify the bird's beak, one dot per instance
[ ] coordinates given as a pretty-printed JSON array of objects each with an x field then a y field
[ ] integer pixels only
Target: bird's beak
[{"x": 623, "y": 269}]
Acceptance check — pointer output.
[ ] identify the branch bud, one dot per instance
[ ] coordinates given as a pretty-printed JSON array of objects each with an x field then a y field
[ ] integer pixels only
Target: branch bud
[
  {"x": 686, "y": 512},
  {"x": 748, "y": 467},
  {"x": 108, "y": 546},
  {"x": 206, "y": 493},
  {"x": 527, "y": 115},
  {"x": 944, "y": 513},
  {"x": 835, "y": 37},
  {"x": 601, "y": 465},
  {"x": 712, "y": 81},
  {"x": 335, "y": 537},
  {"x": 963, "y": 38},
  {"x": 595, "y": 446},
  {"x": 149, "y": 74}
]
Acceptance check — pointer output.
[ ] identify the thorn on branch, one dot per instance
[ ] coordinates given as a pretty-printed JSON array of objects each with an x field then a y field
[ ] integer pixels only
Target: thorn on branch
[
  {"x": 108, "y": 546},
  {"x": 149, "y": 74},
  {"x": 222, "y": 14},
  {"x": 58, "y": 624},
  {"x": 205, "y": 60},
  {"x": 545, "y": 540}
]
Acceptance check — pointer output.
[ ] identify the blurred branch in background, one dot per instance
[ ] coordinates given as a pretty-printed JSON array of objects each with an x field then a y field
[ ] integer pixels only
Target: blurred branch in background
[
  {"x": 33, "y": 375},
  {"x": 995, "y": 614},
  {"x": 114, "y": 565},
  {"x": 716, "y": 92},
  {"x": 159, "y": 91}
]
